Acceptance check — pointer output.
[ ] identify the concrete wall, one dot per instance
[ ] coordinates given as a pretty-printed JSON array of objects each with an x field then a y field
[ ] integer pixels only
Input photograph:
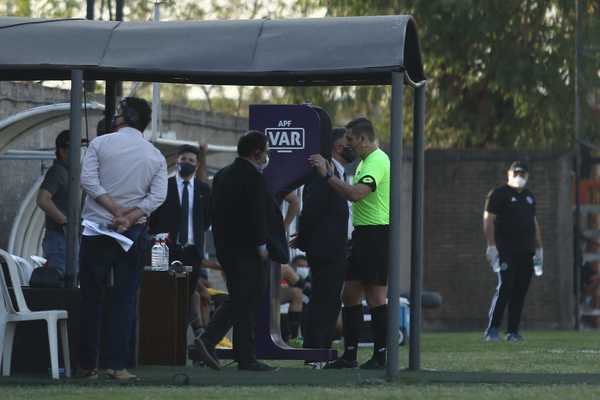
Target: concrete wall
[
  {"x": 456, "y": 185},
  {"x": 17, "y": 177}
]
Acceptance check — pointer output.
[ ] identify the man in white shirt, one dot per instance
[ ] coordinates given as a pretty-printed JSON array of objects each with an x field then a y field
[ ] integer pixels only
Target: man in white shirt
[{"x": 125, "y": 179}]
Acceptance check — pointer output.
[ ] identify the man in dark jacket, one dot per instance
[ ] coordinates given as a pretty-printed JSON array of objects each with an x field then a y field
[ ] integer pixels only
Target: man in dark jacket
[
  {"x": 323, "y": 235},
  {"x": 242, "y": 226},
  {"x": 185, "y": 216}
]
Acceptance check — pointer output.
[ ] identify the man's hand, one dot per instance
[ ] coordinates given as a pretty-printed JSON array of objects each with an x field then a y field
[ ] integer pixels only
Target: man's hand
[
  {"x": 321, "y": 164},
  {"x": 120, "y": 224},
  {"x": 293, "y": 243},
  {"x": 263, "y": 253},
  {"x": 203, "y": 292}
]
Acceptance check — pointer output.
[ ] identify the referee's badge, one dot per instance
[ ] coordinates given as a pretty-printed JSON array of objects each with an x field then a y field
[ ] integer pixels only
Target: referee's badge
[{"x": 530, "y": 199}]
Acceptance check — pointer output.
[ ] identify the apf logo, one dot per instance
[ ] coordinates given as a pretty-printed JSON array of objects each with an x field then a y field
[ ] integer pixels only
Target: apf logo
[{"x": 284, "y": 138}]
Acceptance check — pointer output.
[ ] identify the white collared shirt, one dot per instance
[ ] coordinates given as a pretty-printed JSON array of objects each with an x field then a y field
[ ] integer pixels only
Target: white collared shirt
[
  {"x": 126, "y": 167},
  {"x": 179, "y": 181}
]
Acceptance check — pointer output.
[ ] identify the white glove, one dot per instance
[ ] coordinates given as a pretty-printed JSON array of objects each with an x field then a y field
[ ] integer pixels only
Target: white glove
[
  {"x": 491, "y": 253},
  {"x": 538, "y": 261}
]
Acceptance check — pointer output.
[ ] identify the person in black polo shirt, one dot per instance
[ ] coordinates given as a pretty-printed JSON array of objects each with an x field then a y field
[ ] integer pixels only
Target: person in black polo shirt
[
  {"x": 52, "y": 198},
  {"x": 514, "y": 243}
]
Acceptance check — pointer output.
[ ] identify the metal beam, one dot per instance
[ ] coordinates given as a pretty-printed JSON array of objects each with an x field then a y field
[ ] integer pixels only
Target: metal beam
[
  {"x": 110, "y": 101},
  {"x": 74, "y": 204},
  {"x": 395, "y": 224},
  {"x": 577, "y": 147},
  {"x": 156, "y": 108},
  {"x": 416, "y": 273},
  {"x": 89, "y": 14}
]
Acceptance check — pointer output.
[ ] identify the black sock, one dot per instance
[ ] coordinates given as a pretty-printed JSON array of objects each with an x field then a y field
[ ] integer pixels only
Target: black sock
[
  {"x": 352, "y": 317},
  {"x": 379, "y": 323},
  {"x": 294, "y": 319}
]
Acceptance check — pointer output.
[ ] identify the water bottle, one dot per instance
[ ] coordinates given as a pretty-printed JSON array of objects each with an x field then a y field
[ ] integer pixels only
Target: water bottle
[
  {"x": 537, "y": 266},
  {"x": 165, "y": 261},
  {"x": 157, "y": 254}
]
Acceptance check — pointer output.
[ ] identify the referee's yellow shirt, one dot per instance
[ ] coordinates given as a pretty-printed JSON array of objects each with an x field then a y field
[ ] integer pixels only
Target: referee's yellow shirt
[{"x": 374, "y": 208}]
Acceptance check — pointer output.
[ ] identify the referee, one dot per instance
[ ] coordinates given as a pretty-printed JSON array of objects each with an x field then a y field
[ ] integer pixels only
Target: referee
[
  {"x": 514, "y": 242},
  {"x": 368, "y": 262}
]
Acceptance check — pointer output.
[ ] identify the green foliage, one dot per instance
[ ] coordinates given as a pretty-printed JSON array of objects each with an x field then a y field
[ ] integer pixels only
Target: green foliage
[{"x": 500, "y": 73}]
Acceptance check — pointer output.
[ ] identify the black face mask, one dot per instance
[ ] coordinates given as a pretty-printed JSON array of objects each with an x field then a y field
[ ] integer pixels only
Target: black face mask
[
  {"x": 348, "y": 154},
  {"x": 185, "y": 169}
]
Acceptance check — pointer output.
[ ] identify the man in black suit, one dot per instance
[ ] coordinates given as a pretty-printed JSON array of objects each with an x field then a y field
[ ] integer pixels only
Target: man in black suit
[
  {"x": 323, "y": 235},
  {"x": 245, "y": 221},
  {"x": 185, "y": 216}
]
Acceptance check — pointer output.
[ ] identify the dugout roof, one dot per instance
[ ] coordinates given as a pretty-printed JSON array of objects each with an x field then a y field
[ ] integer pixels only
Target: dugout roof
[{"x": 324, "y": 51}]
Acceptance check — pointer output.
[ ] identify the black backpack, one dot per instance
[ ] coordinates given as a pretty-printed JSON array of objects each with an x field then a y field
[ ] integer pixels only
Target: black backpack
[{"x": 47, "y": 277}]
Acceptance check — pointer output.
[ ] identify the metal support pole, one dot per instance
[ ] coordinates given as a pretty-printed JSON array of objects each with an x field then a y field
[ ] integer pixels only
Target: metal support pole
[
  {"x": 110, "y": 101},
  {"x": 416, "y": 272},
  {"x": 90, "y": 86},
  {"x": 119, "y": 17},
  {"x": 395, "y": 224},
  {"x": 89, "y": 13},
  {"x": 74, "y": 202},
  {"x": 156, "y": 90},
  {"x": 577, "y": 136}
]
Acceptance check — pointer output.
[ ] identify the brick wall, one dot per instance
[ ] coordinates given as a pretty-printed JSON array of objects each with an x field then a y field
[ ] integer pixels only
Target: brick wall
[{"x": 456, "y": 184}]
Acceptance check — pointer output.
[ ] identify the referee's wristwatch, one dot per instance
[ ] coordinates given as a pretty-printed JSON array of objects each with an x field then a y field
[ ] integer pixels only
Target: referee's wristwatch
[{"x": 328, "y": 175}]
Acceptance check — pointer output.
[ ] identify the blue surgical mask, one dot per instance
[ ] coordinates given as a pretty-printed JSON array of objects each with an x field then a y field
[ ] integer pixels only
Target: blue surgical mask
[{"x": 303, "y": 272}]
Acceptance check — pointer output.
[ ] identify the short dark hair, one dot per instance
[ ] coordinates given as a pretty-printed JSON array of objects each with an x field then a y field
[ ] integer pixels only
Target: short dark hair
[
  {"x": 299, "y": 257},
  {"x": 103, "y": 127},
  {"x": 361, "y": 126},
  {"x": 337, "y": 133},
  {"x": 136, "y": 112},
  {"x": 188, "y": 148},
  {"x": 62, "y": 141},
  {"x": 519, "y": 166},
  {"x": 251, "y": 142}
]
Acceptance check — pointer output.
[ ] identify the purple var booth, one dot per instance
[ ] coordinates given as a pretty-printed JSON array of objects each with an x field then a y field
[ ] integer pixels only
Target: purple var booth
[{"x": 294, "y": 132}]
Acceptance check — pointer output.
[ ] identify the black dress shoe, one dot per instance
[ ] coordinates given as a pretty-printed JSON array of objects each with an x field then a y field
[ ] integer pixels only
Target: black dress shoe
[
  {"x": 199, "y": 352},
  {"x": 256, "y": 366},
  {"x": 373, "y": 363},
  {"x": 341, "y": 363}
]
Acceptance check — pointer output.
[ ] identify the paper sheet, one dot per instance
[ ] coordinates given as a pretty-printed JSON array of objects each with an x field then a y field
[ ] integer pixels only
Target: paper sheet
[{"x": 94, "y": 229}]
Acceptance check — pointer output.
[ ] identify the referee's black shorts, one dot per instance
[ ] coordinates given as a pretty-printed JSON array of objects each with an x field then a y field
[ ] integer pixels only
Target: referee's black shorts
[{"x": 369, "y": 255}]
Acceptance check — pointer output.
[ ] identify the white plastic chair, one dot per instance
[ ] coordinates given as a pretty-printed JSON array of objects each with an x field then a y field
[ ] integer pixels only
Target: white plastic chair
[
  {"x": 9, "y": 317},
  {"x": 24, "y": 268}
]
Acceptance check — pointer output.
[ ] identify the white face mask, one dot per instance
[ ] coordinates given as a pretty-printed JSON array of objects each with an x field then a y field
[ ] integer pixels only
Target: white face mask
[
  {"x": 517, "y": 182},
  {"x": 265, "y": 165},
  {"x": 303, "y": 272}
]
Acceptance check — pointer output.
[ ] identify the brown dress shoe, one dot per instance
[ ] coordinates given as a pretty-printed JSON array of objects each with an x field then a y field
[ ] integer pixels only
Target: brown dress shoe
[
  {"x": 90, "y": 374},
  {"x": 122, "y": 375}
]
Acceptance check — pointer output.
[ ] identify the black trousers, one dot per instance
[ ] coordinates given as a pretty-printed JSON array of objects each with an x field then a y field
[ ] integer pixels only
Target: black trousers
[
  {"x": 513, "y": 284},
  {"x": 99, "y": 254},
  {"x": 247, "y": 281},
  {"x": 327, "y": 279}
]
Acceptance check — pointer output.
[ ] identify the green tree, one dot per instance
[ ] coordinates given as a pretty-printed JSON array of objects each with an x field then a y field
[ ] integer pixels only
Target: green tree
[{"x": 499, "y": 72}]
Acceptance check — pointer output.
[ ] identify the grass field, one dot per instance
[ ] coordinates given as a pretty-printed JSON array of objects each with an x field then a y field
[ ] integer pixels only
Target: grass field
[{"x": 548, "y": 365}]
